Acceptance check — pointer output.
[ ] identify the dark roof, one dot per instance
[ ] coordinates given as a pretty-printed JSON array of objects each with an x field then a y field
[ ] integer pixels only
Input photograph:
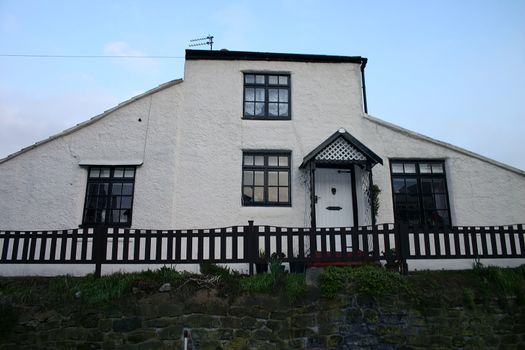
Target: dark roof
[
  {"x": 269, "y": 56},
  {"x": 369, "y": 154}
]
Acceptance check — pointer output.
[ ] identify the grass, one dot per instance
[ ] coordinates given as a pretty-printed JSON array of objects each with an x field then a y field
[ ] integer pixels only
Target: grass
[{"x": 469, "y": 288}]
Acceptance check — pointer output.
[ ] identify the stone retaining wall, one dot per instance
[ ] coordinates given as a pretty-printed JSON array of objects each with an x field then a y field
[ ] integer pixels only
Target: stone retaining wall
[{"x": 157, "y": 321}]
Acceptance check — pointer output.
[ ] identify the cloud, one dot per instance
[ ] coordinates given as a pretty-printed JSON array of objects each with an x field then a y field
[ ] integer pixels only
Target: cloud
[
  {"x": 138, "y": 65},
  {"x": 26, "y": 119}
]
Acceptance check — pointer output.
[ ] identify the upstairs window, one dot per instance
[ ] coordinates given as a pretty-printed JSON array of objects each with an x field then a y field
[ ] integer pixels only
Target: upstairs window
[
  {"x": 420, "y": 192},
  {"x": 266, "y": 179},
  {"x": 266, "y": 96},
  {"x": 109, "y": 196}
]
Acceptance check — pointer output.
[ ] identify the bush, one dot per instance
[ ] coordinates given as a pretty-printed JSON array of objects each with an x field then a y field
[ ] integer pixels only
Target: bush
[{"x": 367, "y": 280}]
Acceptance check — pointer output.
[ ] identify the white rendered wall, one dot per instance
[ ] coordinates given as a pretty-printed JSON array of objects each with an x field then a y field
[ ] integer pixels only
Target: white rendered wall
[{"x": 190, "y": 141}]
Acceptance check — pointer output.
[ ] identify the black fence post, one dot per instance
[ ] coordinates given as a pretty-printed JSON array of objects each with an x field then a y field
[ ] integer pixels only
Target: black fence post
[
  {"x": 99, "y": 248},
  {"x": 251, "y": 246},
  {"x": 402, "y": 246}
]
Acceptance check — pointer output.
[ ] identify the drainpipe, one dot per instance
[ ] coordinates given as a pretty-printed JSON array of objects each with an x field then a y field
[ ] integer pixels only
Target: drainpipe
[{"x": 363, "y": 65}]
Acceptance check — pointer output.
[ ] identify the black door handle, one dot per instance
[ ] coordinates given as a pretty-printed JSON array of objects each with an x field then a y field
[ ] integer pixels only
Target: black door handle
[{"x": 333, "y": 208}]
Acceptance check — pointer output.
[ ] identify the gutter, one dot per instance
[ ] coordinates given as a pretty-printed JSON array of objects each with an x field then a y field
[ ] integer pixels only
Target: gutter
[{"x": 363, "y": 65}]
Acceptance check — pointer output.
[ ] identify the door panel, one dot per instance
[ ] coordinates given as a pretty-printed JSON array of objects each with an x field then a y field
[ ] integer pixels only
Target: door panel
[{"x": 333, "y": 190}]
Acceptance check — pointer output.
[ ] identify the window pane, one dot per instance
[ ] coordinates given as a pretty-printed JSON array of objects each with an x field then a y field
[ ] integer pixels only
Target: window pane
[
  {"x": 101, "y": 202},
  {"x": 283, "y": 95},
  {"x": 259, "y": 178},
  {"x": 92, "y": 202},
  {"x": 119, "y": 172},
  {"x": 124, "y": 215},
  {"x": 397, "y": 168},
  {"x": 127, "y": 189},
  {"x": 249, "y": 78},
  {"x": 103, "y": 189},
  {"x": 283, "y": 161},
  {"x": 424, "y": 168},
  {"x": 248, "y": 178},
  {"x": 90, "y": 216},
  {"x": 259, "y": 160},
  {"x": 441, "y": 201},
  {"x": 283, "y": 178},
  {"x": 428, "y": 202},
  {"x": 273, "y": 95},
  {"x": 411, "y": 185},
  {"x": 273, "y": 194},
  {"x": 413, "y": 217},
  {"x": 259, "y": 79},
  {"x": 259, "y": 95},
  {"x": 104, "y": 172},
  {"x": 115, "y": 202},
  {"x": 247, "y": 194},
  {"x": 92, "y": 189},
  {"x": 273, "y": 80},
  {"x": 283, "y": 194},
  {"x": 94, "y": 172},
  {"x": 438, "y": 186},
  {"x": 412, "y": 199},
  {"x": 249, "y": 108},
  {"x": 400, "y": 200},
  {"x": 283, "y": 109},
  {"x": 410, "y": 168},
  {"x": 115, "y": 216},
  {"x": 129, "y": 172},
  {"x": 248, "y": 160},
  {"x": 442, "y": 217},
  {"x": 399, "y": 186},
  {"x": 258, "y": 194},
  {"x": 283, "y": 80},
  {"x": 259, "y": 109},
  {"x": 249, "y": 94},
  {"x": 273, "y": 178},
  {"x": 125, "y": 202},
  {"x": 273, "y": 109},
  {"x": 437, "y": 168},
  {"x": 100, "y": 216},
  {"x": 272, "y": 161},
  {"x": 426, "y": 185},
  {"x": 116, "y": 189}
]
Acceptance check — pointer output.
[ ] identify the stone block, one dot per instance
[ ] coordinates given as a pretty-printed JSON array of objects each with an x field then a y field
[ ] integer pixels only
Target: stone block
[
  {"x": 150, "y": 345},
  {"x": 170, "y": 310},
  {"x": 105, "y": 324},
  {"x": 263, "y": 334},
  {"x": 141, "y": 335},
  {"x": 201, "y": 321},
  {"x": 127, "y": 324},
  {"x": 303, "y": 320},
  {"x": 171, "y": 332}
]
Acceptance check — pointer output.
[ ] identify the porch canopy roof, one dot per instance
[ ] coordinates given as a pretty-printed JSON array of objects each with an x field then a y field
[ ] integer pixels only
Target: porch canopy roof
[{"x": 339, "y": 149}]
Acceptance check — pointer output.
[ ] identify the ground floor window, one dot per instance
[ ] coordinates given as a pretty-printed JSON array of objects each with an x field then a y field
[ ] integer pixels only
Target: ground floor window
[
  {"x": 420, "y": 192},
  {"x": 109, "y": 196},
  {"x": 266, "y": 178}
]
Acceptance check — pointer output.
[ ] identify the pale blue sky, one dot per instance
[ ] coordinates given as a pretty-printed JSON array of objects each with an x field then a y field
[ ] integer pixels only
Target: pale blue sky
[{"x": 452, "y": 70}]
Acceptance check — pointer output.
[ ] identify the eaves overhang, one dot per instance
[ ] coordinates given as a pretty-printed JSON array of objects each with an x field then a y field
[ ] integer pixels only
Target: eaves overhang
[{"x": 227, "y": 55}]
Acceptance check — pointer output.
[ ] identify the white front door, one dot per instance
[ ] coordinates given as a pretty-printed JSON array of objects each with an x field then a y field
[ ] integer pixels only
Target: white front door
[{"x": 333, "y": 190}]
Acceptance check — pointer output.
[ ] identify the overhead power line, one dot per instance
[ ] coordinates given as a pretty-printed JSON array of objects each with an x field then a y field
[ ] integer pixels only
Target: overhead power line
[{"x": 88, "y": 56}]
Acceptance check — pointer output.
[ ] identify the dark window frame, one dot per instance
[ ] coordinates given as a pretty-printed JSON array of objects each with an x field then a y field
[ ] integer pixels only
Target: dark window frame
[
  {"x": 266, "y": 168},
  {"x": 110, "y": 180},
  {"x": 419, "y": 177},
  {"x": 266, "y": 86}
]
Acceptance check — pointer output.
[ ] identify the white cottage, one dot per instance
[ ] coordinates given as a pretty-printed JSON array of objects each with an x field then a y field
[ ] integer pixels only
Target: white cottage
[{"x": 282, "y": 139}]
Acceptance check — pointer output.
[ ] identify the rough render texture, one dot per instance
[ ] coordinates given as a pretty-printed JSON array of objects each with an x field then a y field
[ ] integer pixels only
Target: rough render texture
[{"x": 190, "y": 140}]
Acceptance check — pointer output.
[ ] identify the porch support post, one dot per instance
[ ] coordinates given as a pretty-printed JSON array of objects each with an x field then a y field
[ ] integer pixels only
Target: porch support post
[
  {"x": 354, "y": 196},
  {"x": 312, "y": 194},
  {"x": 370, "y": 198}
]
